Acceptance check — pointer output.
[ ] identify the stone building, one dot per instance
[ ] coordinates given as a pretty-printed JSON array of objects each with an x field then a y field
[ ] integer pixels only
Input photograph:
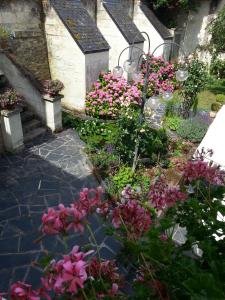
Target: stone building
[{"x": 73, "y": 40}]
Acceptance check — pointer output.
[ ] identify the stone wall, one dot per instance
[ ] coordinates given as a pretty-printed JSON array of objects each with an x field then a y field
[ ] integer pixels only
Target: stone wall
[
  {"x": 23, "y": 86},
  {"x": 25, "y": 18}
]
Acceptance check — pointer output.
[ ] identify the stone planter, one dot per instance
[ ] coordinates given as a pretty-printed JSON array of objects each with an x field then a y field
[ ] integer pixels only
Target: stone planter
[
  {"x": 53, "y": 112},
  {"x": 12, "y": 131}
]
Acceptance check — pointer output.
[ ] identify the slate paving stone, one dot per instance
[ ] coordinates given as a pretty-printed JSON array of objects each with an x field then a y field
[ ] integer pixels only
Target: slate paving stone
[
  {"x": 18, "y": 274},
  {"x": 105, "y": 253},
  {"x": 29, "y": 184},
  {"x": 5, "y": 276},
  {"x": 17, "y": 259},
  {"x": 9, "y": 213},
  {"x": 27, "y": 242},
  {"x": 9, "y": 245}
]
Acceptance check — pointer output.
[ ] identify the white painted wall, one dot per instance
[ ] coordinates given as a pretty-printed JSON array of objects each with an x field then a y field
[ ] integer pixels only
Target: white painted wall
[
  {"x": 95, "y": 63},
  {"x": 143, "y": 24},
  {"x": 112, "y": 34},
  {"x": 214, "y": 138},
  {"x": 115, "y": 39},
  {"x": 66, "y": 61},
  {"x": 23, "y": 86}
]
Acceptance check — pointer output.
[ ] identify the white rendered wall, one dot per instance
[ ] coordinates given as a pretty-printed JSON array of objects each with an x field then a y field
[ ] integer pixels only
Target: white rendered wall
[
  {"x": 143, "y": 24},
  {"x": 95, "y": 63},
  {"x": 112, "y": 34},
  {"x": 214, "y": 139},
  {"x": 66, "y": 61}
]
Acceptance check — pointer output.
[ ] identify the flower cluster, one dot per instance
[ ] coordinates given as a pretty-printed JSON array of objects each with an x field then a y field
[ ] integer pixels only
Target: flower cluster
[
  {"x": 198, "y": 169},
  {"x": 109, "y": 95},
  {"x": 21, "y": 290},
  {"x": 63, "y": 219},
  {"x": 68, "y": 274},
  {"x": 131, "y": 217},
  {"x": 161, "y": 76},
  {"x": 9, "y": 99},
  {"x": 161, "y": 195},
  {"x": 52, "y": 87},
  {"x": 107, "y": 270}
]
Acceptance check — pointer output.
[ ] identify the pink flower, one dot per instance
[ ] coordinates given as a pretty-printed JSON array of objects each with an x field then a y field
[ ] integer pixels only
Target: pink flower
[
  {"x": 68, "y": 274},
  {"x": 134, "y": 217},
  {"x": 23, "y": 291},
  {"x": 162, "y": 195},
  {"x": 198, "y": 169}
]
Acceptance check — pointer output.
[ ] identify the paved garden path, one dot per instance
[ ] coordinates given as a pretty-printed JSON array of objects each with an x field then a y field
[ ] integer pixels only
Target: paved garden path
[{"x": 47, "y": 172}]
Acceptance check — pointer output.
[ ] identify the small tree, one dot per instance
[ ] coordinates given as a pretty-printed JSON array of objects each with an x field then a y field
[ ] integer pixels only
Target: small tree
[{"x": 198, "y": 77}]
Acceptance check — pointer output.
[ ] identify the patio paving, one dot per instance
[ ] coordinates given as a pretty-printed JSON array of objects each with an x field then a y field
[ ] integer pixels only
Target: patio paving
[{"x": 49, "y": 171}]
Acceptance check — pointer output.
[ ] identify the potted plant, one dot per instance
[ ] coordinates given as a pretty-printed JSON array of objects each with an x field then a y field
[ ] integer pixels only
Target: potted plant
[
  {"x": 52, "y": 88},
  {"x": 9, "y": 99}
]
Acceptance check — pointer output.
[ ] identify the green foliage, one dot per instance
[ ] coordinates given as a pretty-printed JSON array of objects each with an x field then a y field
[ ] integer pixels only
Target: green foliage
[
  {"x": 185, "y": 4},
  {"x": 93, "y": 131},
  {"x": 153, "y": 142},
  {"x": 172, "y": 107},
  {"x": 196, "y": 82},
  {"x": 215, "y": 106},
  {"x": 173, "y": 122},
  {"x": 220, "y": 98},
  {"x": 217, "y": 68},
  {"x": 192, "y": 129},
  {"x": 217, "y": 29},
  {"x": 125, "y": 176}
]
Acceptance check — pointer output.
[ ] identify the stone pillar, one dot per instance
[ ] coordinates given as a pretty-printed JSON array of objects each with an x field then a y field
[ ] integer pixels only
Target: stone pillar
[
  {"x": 53, "y": 112},
  {"x": 12, "y": 131}
]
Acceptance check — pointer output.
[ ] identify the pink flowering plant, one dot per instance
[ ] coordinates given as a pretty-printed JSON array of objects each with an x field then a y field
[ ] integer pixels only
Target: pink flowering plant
[
  {"x": 161, "y": 262},
  {"x": 161, "y": 77},
  {"x": 110, "y": 95}
]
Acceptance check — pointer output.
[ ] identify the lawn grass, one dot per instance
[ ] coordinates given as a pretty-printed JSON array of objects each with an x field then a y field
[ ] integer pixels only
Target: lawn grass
[{"x": 205, "y": 100}]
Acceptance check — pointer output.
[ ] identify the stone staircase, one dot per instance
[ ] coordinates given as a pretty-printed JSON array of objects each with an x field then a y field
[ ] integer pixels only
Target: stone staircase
[{"x": 32, "y": 126}]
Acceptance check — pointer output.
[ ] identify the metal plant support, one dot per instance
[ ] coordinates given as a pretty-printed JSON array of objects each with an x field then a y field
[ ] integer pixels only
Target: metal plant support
[{"x": 132, "y": 68}]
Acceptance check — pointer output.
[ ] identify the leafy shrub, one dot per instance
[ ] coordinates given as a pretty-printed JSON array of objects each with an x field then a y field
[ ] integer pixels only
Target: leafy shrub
[
  {"x": 52, "y": 87},
  {"x": 173, "y": 122},
  {"x": 126, "y": 177},
  {"x": 9, "y": 99},
  {"x": 110, "y": 95},
  {"x": 153, "y": 143},
  {"x": 192, "y": 129},
  {"x": 217, "y": 68},
  {"x": 215, "y": 106},
  {"x": 172, "y": 108},
  {"x": 220, "y": 98},
  {"x": 197, "y": 80}
]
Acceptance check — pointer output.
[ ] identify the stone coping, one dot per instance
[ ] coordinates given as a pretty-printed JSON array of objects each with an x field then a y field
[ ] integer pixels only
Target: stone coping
[
  {"x": 49, "y": 98},
  {"x": 8, "y": 113}
]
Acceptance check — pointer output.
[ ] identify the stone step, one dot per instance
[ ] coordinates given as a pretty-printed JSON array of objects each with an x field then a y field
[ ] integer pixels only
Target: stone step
[
  {"x": 34, "y": 133},
  {"x": 27, "y": 116},
  {"x": 30, "y": 125}
]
